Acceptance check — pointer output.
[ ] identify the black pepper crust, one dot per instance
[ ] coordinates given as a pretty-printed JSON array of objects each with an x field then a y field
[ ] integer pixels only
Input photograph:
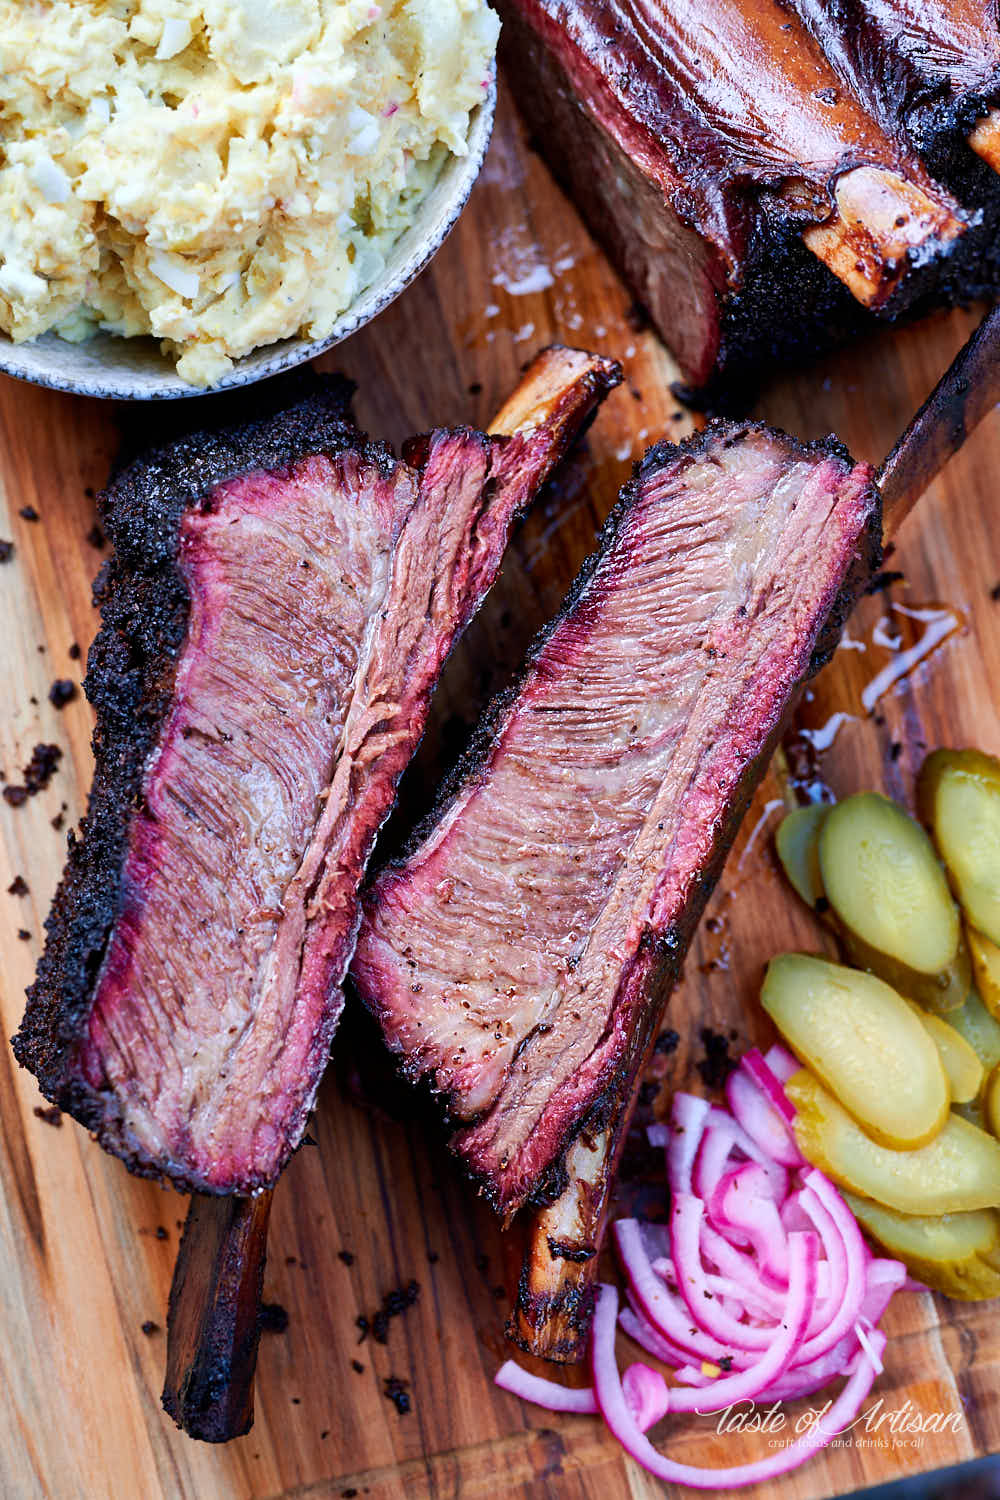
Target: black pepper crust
[{"x": 144, "y": 607}]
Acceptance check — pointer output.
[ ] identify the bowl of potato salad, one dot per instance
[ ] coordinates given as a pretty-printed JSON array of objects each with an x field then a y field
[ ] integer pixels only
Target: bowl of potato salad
[{"x": 195, "y": 194}]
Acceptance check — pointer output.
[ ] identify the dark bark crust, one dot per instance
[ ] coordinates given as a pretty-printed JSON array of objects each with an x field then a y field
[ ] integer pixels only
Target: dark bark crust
[{"x": 144, "y": 608}]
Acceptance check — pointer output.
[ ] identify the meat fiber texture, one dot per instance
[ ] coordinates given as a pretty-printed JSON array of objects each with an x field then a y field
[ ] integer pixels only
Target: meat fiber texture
[
  {"x": 280, "y": 602},
  {"x": 510, "y": 957},
  {"x": 699, "y": 142}
]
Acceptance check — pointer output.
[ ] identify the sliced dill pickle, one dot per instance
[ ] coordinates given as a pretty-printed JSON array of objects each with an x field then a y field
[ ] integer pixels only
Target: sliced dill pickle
[
  {"x": 986, "y": 967},
  {"x": 980, "y": 1029},
  {"x": 962, "y": 1067},
  {"x": 991, "y": 1101},
  {"x": 866, "y": 1044},
  {"x": 959, "y": 793},
  {"x": 891, "y": 899},
  {"x": 959, "y": 1170},
  {"x": 958, "y": 1254},
  {"x": 797, "y": 845}
]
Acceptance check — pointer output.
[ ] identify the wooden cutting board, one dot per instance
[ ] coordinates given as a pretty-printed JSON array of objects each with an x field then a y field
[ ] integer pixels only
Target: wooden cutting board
[{"x": 87, "y": 1250}]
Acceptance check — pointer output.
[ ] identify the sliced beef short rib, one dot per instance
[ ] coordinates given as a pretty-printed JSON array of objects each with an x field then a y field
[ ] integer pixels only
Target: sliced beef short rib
[
  {"x": 509, "y": 957},
  {"x": 281, "y": 600}
]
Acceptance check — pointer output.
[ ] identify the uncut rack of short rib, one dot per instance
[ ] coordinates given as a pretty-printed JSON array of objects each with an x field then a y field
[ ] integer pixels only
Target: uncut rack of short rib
[{"x": 771, "y": 175}]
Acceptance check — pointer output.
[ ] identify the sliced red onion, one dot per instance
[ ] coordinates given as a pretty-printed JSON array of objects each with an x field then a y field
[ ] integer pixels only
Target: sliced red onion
[
  {"x": 734, "y": 1295},
  {"x": 747, "y": 1385},
  {"x": 647, "y": 1337},
  {"x": 846, "y": 1254},
  {"x": 863, "y": 1337},
  {"x": 667, "y": 1314},
  {"x": 884, "y": 1279},
  {"x": 718, "y": 1119},
  {"x": 511, "y": 1377},
  {"x": 755, "y": 1108},
  {"x": 688, "y": 1115},
  {"x": 771, "y": 1084},
  {"x": 782, "y": 1063},
  {"x": 743, "y": 1201},
  {"x": 611, "y": 1399},
  {"x": 686, "y": 1215},
  {"x": 647, "y": 1395},
  {"x": 741, "y": 1269}
]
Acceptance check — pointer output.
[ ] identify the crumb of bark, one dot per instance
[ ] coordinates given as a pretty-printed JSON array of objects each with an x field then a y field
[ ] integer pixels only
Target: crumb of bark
[
  {"x": 62, "y": 691},
  {"x": 357, "y": 1367},
  {"x": 475, "y": 389},
  {"x": 23, "y": 934},
  {"x": 6, "y": 551},
  {"x": 349, "y": 1493},
  {"x": 28, "y": 513},
  {"x": 161, "y": 1233},
  {"x": 346, "y": 1257},
  {"x": 96, "y": 537},
  {"x": 394, "y": 1303},
  {"x": 994, "y": 591},
  {"x": 726, "y": 1362},
  {"x": 397, "y": 1392},
  {"x": 18, "y": 886},
  {"x": 499, "y": 1293},
  {"x": 58, "y": 821},
  {"x": 296, "y": 1400},
  {"x": 149, "y": 1328},
  {"x": 822, "y": 905},
  {"x": 74, "y": 653},
  {"x": 273, "y": 1317},
  {"x": 895, "y": 750},
  {"x": 667, "y": 1041},
  {"x": 52, "y": 1115},
  {"x": 37, "y": 774},
  {"x": 716, "y": 1066},
  {"x": 482, "y": 1263},
  {"x": 433, "y": 1257}
]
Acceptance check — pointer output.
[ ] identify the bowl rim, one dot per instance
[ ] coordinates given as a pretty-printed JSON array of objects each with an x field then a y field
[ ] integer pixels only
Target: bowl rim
[{"x": 413, "y": 251}]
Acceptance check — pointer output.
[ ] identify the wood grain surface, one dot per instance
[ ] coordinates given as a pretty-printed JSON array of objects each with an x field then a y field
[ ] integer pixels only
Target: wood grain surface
[{"x": 87, "y": 1250}]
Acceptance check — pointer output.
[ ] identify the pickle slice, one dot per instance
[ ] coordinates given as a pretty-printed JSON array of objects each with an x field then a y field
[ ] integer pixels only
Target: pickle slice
[
  {"x": 797, "y": 846},
  {"x": 958, "y": 1254},
  {"x": 962, "y": 1067},
  {"x": 980, "y": 1029},
  {"x": 986, "y": 968},
  {"x": 889, "y": 893},
  {"x": 866, "y": 1044},
  {"x": 991, "y": 1101},
  {"x": 957, "y": 1171},
  {"x": 959, "y": 794}
]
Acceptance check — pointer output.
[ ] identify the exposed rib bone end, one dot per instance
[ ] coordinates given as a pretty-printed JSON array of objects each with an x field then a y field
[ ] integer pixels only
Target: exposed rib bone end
[
  {"x": 985, "y": 139},
  {"x": 555, "y": 1294},
  {"x": 883, "y": 226}
]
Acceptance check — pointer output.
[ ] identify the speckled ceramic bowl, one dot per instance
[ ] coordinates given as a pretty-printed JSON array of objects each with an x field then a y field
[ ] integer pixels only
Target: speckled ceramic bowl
[{"x": 135, "y": 370}]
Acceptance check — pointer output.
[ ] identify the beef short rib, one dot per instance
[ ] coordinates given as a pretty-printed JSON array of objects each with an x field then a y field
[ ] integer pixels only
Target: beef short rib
[
  {"x": 280, "y": 602},
  {"x": 756, "y": 204},
  {"x": 509, "y": 957}
]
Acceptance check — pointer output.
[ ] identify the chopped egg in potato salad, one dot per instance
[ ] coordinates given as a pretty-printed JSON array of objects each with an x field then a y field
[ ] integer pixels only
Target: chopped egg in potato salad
[{"x": 220, "y": 173}]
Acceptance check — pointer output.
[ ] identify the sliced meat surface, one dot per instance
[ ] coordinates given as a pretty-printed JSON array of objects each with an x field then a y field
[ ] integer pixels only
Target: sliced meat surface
[
  {"x": 275, "y": 618},
  {"x": 509, "y": 956}
]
